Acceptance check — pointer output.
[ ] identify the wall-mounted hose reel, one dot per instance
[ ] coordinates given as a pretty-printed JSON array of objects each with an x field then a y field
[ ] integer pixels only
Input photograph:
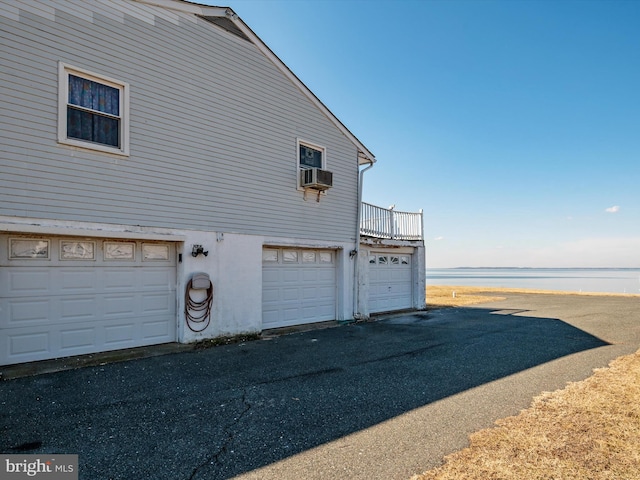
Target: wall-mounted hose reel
[{"x": 198, "y": 312}]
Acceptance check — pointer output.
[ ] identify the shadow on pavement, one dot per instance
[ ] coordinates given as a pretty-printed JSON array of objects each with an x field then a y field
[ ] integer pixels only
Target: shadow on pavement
[{"x": 220, "y": 412}]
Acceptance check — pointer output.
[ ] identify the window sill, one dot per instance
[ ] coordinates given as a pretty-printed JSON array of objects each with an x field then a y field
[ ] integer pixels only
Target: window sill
[{"x": 94, "y": 147}]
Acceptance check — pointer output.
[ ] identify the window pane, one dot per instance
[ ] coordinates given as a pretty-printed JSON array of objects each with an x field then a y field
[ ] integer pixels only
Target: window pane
[
  {"x": 155, "y": 252},
  {"x": 119, "y": 250},
  {"x": 326, "y": 257},
  {"x": 270, "y": 255},
  {"x": 308, "y": 257},
  {"x": 290, "y": 256},
  {"x": 395, "y": 261},
  {"x": 96, "y": 96},
  {"x": 106, "y": 130},
  {"x": 70, "y": 250},
  {"x": 27, "y": 248},
  {"x": 310, "y": 157},
  {"x": 93, "y": 127}
]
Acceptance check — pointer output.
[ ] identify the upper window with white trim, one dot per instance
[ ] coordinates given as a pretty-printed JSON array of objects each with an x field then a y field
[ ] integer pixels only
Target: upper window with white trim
[
  {"x": 93, "y": 111},
  {"x": 310, "y": 156}
]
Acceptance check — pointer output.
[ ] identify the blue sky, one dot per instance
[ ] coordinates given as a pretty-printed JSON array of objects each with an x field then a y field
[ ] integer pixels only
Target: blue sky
[{"x": 514, "y": 124}]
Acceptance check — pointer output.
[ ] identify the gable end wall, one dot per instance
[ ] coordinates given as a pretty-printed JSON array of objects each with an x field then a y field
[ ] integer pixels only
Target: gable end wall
[{"x": 213, "y": 127}]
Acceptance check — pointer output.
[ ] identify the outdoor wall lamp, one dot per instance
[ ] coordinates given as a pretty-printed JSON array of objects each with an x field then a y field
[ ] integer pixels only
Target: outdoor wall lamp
[{"x": 197, "y": 250}]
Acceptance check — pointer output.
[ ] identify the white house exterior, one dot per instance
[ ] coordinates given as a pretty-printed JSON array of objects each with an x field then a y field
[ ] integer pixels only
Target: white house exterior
[{"x": 134, "y": 132}]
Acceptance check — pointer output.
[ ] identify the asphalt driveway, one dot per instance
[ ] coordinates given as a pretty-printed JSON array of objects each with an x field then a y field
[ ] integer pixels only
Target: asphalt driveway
[{"x": 385, "y": 399}]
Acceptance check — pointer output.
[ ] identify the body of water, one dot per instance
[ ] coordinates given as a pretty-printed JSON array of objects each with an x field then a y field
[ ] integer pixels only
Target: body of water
[{"x": 604, "y": 280}]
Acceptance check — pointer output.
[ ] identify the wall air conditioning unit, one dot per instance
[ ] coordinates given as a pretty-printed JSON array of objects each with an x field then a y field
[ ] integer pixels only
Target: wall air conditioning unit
[{"x": 316, "y": 178}]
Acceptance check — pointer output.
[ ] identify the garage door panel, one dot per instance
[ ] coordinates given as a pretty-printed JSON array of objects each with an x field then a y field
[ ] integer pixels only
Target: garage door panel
[
  {"x": 270, "y": 295},
  {"x": 290, "y": 294},
  {"x": 159, "y": 303},
  {"x": 120, "y": 305},
  {"x": 270, "y": 276},
  {"x": 309, "y": 275},
  {"x": 27, "y": 282},
  {"x": 119, "y": 279},
  {"x": 300, "y": 291},
  {"x": 326, "y": 293},
  {"x": 308, "y": 314},
  {"x": 400, "y": 275},
  {"x": 59, "y": 307},
  {"x": 157, "y": 277},
  {"x": 119, "y": 335},
  {"x": 291, "y": 314},
  {"x": 76, "y": 338},
  {"x": 23, "y": 312},
  {"x": 76, "y": 280},
  {"x": 270, "y": 316},
  {"x": 25, "y": 345},
  {"x": 155, "y": 330},
  {"x": 290, "y": 275},
  {"x": 309, "y": 293},
  {"x": 325, "y": 310},
  {"x": 75, "y": 309}
]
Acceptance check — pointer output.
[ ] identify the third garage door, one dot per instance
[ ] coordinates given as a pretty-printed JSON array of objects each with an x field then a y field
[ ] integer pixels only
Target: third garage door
[{"x": 390, "y": 285}]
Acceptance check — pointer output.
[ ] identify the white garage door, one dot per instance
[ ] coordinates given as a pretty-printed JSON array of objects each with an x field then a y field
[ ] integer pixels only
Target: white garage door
[
  {"x": 390, "y": 286},
  {"x": 298, "y": 286},
  {"x": 62, "y": 296}
]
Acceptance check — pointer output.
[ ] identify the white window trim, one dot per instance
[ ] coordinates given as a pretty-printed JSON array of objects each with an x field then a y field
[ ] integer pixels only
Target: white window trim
[
  {"x": 299, "y": 167},
  {"x": 63, "y": 95}
]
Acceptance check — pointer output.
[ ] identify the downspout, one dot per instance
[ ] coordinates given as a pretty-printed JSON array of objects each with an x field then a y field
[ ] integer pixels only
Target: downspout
[{"x": 356, "y": 269}]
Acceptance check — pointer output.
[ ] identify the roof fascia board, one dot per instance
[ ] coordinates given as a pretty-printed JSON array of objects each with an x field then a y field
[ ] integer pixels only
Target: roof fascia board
[
  {"x": 188, "y": 7},
  {"x": 364, "y": 155}
]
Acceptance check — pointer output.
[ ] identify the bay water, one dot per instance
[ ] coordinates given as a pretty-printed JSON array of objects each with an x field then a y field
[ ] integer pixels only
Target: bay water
[{"x": 602, "y": 280}]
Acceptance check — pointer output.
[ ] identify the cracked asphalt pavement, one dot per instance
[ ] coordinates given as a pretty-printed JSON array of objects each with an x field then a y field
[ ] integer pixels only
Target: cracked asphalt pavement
[{"x": 384, "y": 399}]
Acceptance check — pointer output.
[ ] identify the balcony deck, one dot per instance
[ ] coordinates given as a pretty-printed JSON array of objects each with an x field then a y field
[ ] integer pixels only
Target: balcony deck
[{"x": 387, "y": 223}]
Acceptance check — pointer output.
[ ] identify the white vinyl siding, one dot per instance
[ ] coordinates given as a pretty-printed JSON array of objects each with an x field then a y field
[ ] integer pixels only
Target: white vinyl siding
[{"x": 212, "y": 121}]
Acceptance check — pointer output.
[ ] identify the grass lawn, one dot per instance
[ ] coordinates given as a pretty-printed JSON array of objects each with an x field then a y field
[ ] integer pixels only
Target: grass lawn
[{"x": 588, "y": 430}]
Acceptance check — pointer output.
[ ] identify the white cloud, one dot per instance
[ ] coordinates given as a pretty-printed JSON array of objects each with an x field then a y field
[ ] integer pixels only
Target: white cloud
[
  {"x": 439, "y": 238},
  {"x": 614, "y": 209}
]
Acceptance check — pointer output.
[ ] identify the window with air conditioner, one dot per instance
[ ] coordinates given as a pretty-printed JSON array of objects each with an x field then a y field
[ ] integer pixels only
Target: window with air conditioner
[{"x": 312, "y": 167}]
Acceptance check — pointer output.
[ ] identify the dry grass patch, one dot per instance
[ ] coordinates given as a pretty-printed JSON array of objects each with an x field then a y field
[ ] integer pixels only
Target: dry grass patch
[
  {"x": 589, "y": 430},
  {"x": 446, "y": 296}
]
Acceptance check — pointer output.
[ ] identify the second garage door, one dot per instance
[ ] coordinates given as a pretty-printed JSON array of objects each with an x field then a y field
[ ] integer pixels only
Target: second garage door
[{"x": 298, "y": 286}]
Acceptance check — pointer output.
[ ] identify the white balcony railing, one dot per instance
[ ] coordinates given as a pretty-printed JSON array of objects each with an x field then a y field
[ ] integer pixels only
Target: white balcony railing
[{"x": 388, "y": 223}]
